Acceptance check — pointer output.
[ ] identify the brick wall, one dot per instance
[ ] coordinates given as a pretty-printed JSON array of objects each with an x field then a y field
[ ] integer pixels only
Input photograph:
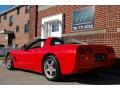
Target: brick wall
[
  {"x": 32, "y": 22},
  {"x": 18, "y": 20},
  {"x": 107, "y": 18}
]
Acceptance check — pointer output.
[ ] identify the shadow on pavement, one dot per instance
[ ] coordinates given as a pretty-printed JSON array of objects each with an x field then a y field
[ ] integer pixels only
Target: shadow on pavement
[
  {"x": 100, "y": 77},
  {"x": 105, "y": 77}
]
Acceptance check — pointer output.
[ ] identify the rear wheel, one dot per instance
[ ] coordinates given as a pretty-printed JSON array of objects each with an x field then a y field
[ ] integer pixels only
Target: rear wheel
[
  {"x": 9, "y": 62},
  {"x": 51, "y": 68}
]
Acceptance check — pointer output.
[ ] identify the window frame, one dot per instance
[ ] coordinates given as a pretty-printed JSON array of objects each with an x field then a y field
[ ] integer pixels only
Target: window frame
[
  {"x": 26, "y": 28},
  {"x": 18, "y": 11},
  {"x": 27, "y": 9},
  {"x": 17, "y": 28},
  {"x": 5, "y": 16},
  {"x": 34, "y": 42},
  {"x": 11, "y": 20},
  {"x": 56, "y": 27},
  {"x": 0, "y": 19}
]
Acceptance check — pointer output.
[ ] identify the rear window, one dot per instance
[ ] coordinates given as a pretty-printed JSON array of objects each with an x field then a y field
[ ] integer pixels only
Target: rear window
[{"x": 58, "y": 41}]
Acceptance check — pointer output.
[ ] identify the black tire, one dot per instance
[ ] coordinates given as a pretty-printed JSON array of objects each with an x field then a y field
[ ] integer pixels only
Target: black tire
[
  {"x": 9, "y": 62},
  {"x": 51, "y": 70}
]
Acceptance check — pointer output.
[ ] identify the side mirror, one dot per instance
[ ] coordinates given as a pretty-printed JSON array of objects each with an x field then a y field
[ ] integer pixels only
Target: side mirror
[{"x": 24, "y": 47}]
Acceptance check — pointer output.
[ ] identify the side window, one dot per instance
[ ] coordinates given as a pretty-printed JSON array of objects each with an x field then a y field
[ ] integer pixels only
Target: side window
[
  {"x": 56, "y": 41},
  {"x": 36, "y": 45}
]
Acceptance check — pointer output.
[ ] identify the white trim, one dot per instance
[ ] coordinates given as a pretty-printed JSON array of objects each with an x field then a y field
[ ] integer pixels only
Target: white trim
[
  {"x": 2, "y": 31},
  {"x": 43, "y": 7},
  {"x": 85, "y": 33},
  {"x": 58, "y": 17}
]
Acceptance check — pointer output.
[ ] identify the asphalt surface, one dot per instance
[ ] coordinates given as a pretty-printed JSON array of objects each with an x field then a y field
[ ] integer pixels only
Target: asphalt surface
[{"x": 20, "y": 77}]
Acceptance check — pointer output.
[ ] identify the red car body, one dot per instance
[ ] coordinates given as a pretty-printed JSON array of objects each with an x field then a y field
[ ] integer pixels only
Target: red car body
[{"x": 72, "y": 58}]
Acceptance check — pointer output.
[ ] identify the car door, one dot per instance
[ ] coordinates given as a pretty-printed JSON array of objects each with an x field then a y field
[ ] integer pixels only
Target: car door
[{"x": 26, "y": 58}]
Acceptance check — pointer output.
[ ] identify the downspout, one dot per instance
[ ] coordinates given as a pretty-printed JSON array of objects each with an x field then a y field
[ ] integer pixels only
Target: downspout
[{"x": 36, "y": 20}]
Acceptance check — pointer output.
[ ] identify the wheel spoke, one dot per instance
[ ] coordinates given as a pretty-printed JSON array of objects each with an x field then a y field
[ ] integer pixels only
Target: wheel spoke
[
  {"x": 9, "y": 63},
  {"x": 47, "y": 70},
  {"x": 51, "y": 73},
  {"x": 52, "y": 63},
  {"x": 54, "y": 69},
  {"x": 48, "y": 64},
  {"x": 50, "y": 67}
]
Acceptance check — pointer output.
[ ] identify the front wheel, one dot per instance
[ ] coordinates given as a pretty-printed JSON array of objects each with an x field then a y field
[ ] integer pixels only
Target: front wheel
[
  {"x": 51, "y": 68},
  {"x": 9, "y": 62}
]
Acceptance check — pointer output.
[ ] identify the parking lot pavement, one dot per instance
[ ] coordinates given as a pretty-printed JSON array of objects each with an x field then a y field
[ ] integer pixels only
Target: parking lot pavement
[
  {"x": 20, "y": 77},
  {"x": 1, "y": 61}
]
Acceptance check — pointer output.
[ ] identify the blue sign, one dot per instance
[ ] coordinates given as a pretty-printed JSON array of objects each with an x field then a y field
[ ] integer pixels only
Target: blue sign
[{"x": 84, "y": 18}]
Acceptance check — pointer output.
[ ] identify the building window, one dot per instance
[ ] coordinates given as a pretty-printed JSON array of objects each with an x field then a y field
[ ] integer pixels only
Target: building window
[
  {"x": 27, "y": 9},
  {"x": 11, "y": 21},
  {"x": 26, "y": 28},
  {"x": 18, "y": 11},
  {"x": 28, "y": 22},
  {"x": 55, "y": 27},
  {"x": 17, "y": 28},
  {"x": 0, "y": 19},
  {"x": 5, "y": 16}
]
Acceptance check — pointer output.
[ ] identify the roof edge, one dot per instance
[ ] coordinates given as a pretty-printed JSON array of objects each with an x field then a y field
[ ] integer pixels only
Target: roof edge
[{"x": 10, "y": 9}]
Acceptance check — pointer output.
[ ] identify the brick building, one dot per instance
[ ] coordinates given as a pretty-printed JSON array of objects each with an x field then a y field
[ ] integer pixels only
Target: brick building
[
  {"x": 91, "y": 24},
  {"x": 15, "y": 20}
]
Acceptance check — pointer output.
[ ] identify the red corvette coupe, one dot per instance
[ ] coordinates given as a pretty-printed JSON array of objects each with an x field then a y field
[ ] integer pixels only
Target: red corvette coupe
[{"x": 56, "y": 57}]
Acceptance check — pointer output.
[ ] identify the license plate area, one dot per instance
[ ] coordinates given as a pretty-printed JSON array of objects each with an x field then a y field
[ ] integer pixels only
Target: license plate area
[{"x": 100, "y": 57}]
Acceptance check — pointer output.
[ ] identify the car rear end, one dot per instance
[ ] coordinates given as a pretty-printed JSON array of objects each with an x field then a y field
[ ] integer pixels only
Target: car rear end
[{"x": 93, "y": 56}]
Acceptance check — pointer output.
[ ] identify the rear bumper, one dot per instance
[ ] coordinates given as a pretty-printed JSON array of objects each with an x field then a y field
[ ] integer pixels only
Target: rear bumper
[
  {"x": 92, "y": 66},
  {"x": 84, "y": 66}
]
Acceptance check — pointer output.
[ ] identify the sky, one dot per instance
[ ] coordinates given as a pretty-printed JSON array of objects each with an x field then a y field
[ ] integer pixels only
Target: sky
[{"x": 5, "y": 7}]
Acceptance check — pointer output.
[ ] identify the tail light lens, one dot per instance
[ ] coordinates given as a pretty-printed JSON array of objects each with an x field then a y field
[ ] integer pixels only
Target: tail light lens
[
  {"x": 81, "y": 50},
  {"x": 110, "y": 50},
  {"x": 89, "y": 50}
]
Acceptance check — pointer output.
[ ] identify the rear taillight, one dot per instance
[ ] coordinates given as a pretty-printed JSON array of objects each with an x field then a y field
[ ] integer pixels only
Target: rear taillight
[
  {"x": 83, "y": 50},
  {"x": 89, "y": 50},
  {"x": 110, "y": 50}
]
